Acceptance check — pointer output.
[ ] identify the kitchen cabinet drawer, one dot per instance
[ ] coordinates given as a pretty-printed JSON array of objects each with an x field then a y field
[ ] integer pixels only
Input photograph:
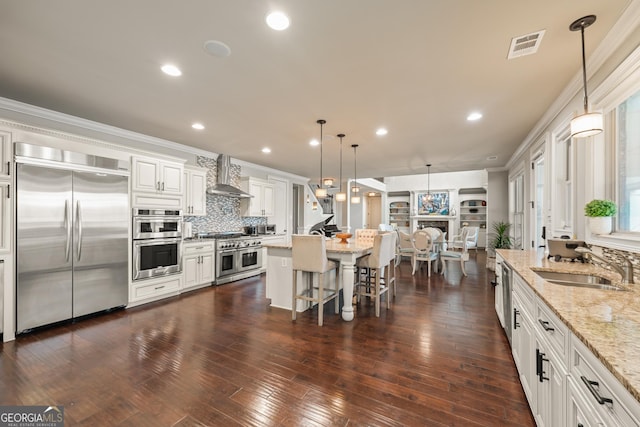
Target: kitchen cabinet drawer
[
  {"x": 552, "y": 329},
  {"x": 525, "y": 293},
  {"x": 155, "y": 289},
  {"x": 606, "y": 395},
  {"x": 197, "y": 248}
]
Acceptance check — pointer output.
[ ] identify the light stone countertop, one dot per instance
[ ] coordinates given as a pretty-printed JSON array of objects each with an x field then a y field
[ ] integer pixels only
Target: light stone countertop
[
  {"x": 333, "y": 245},
  {"x": 607, "y": 322}
]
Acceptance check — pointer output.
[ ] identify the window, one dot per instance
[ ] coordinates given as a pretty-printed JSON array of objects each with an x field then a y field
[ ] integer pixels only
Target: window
[
  {"x": 627, "y": 159},
  {"x": 516, "y": 209},
  {"x": 563, "y": 193}
]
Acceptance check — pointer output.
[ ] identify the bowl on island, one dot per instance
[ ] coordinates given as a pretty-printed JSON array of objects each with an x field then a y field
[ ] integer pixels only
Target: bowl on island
[{"x": 343, "y": 237}]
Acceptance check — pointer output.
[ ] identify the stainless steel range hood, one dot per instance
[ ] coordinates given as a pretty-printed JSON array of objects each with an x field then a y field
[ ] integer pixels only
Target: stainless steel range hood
[{"x": 223, "y": 185}]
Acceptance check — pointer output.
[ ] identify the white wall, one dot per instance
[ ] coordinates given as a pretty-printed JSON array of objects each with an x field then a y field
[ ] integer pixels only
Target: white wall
[{"x": 438, "y": 181}]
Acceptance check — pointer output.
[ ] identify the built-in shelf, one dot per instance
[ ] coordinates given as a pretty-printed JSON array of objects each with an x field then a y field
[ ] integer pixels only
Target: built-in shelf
[
  {"x": 473, "y": 212},
  {"x": 399, "y": 215}
]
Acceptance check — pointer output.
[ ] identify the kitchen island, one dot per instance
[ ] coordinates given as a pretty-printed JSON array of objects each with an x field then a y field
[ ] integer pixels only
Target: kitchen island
[
  {"x": 279, "y": 272},
  {"x": 604, "y": 323}
]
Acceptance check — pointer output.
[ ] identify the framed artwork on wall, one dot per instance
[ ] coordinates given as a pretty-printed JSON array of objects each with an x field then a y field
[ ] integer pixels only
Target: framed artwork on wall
[{"x": 438, "y": 205}]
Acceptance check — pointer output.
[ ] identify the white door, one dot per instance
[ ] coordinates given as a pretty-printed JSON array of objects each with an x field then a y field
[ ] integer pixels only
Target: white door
[
  {"x": 374, "y": 212},
  {"x": 537, "y": 206}
]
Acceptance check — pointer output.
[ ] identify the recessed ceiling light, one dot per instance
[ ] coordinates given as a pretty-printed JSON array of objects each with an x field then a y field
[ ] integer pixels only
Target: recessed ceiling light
[
  {"x": 266, "y": 150},
  {"x": 217, "y": 48},
  {"x": 197, "y": 126},
  {"x": 381, "y": 132},
  {"x": 474, "y": 116},
  {"x": 278, "y": 21},
  {"x": 314, "y": 142},
  {"x": 171, "y": 70}
]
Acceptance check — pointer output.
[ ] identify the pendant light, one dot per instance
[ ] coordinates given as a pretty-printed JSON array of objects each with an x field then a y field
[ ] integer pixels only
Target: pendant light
[
  {"x": 429, "y": 196},
  {"x": 355, "y": 199},
  {"x": 586, "y": 124},
  {"x": 321, "y": 192},
  {"x": 340, "y": 196}
]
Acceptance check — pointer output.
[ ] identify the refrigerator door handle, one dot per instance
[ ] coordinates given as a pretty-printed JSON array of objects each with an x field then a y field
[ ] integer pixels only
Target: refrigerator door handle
[
  {"x": 67, "y": 227},
  {"x": 79, "y": 220}
]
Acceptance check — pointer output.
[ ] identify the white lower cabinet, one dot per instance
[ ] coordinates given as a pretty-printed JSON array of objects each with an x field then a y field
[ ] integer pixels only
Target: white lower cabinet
[
  {"x": 579, "y": 412},
  {"x": 550, "y": 385},
  {"x": 497, "y": 289},
  {"x": 198, "y": 264},
  {"x": 602, "y": 393},
  {"x": 148, "y": 290},
  {"x": 522, "y": 347},
  {"x": 565, "y": 383}
]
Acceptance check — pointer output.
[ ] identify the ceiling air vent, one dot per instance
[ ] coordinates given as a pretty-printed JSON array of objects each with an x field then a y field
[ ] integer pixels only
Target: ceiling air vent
[{"x": 525, "y": 45}]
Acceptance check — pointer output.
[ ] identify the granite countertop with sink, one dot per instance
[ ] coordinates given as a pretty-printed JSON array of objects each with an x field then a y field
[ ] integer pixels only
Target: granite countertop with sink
[{"x": 606, "y": 321}]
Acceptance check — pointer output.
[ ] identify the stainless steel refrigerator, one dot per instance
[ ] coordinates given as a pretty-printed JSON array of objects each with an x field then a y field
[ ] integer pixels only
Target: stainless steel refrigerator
[{"x": 72, "y": 235}]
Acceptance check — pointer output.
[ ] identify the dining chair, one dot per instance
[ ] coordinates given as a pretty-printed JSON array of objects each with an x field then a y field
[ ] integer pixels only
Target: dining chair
[
  {"x": 309, "y": 257},
  {"x": 471, "y": 240},
  {"x": 423, "y": 250},
  {"x": 377, "y": 263},
  {"x": 460, "y": 256},
  {"x": 404, "y": 247}
]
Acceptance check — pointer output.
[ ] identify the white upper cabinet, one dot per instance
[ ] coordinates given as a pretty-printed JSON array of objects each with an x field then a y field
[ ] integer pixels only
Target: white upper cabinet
[
  {"x": 195, "y": 180},
  {"x": 157, "y": 176},
  {"x": 262, "y": 202},
  {"x": 5, "y": 155}
]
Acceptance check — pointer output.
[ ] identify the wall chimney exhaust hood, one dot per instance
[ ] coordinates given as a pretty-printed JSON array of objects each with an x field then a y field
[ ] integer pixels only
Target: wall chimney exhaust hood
[{"x": 223, "y": 185}]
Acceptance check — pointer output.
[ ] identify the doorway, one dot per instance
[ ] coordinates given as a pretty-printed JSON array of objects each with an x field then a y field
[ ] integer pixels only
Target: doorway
[
  {"x": 537, "y": 205},
  {"x": 374, "y": 211}
]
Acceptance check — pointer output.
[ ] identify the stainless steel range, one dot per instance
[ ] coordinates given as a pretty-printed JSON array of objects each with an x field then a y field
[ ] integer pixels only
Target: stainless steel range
[{"x": 237, "y": 256}]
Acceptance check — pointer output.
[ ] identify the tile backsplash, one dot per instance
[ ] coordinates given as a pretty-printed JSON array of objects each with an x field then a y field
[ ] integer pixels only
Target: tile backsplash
[
  {"x": 223, "y": 213},
  {"x": 617, "y": 256}
]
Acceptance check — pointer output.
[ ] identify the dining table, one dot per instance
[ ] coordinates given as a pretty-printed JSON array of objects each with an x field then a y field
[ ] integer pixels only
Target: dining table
[{"x": 279, "y": 272}]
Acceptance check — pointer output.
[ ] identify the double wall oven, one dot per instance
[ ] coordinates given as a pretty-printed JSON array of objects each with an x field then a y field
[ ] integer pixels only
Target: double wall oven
[{"x": 157, "y": 242}]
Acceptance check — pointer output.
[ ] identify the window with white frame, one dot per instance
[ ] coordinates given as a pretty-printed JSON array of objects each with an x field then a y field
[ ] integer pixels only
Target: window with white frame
[
  {"x": 627, "y": 161},
  {"x": 563, "y": 191},
  {"x": 516, "y": 209}
]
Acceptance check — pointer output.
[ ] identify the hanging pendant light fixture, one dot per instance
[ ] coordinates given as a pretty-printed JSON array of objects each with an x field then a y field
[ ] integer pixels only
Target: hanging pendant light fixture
[
  {"x": 429, "y": 196},
  {"x": 321, "y": 192},
  {"x": 586, "y": 124},
  {"x": 341, "y": 196},
  {"x": 355, "y": 199}
]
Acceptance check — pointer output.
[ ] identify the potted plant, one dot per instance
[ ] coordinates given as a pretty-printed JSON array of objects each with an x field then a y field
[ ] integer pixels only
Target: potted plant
[
  {"x": 600, "y": 213},
  {"x": 500, "y": 239}
]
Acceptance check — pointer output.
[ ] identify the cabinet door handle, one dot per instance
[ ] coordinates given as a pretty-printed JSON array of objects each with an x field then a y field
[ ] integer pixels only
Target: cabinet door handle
[
  {"x": 158, "y": 186},
  {"x": 590, "y": 385},
  {"x": 9, "y": 168},
  {"x": 8, "y": 191},
  {"x": 545, "y": 325},
  {"x": 540, "y": 359},
  {"x": 163, "y": 186},
  {"x": 515, "y": 318}
]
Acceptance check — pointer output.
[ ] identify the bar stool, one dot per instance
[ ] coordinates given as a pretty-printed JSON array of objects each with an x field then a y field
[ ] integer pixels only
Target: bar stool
[
  {"x": 309, "y": 256},
  {"x": 381, "y": 257}
]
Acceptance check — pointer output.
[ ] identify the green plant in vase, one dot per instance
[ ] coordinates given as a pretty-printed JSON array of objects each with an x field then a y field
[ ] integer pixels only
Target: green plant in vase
[{"x": 600, "y": 214}]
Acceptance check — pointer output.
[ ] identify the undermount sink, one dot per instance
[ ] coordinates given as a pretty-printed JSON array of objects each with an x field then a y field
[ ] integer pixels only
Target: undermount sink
[{"x": 578, "y": 280}]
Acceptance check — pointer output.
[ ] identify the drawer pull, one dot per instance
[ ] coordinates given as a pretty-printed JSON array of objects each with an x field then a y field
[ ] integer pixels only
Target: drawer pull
[
  {"x": 590, "y": 385},
  {"x": 159, "y": 287},
  {"x": 545, "y": 325}
]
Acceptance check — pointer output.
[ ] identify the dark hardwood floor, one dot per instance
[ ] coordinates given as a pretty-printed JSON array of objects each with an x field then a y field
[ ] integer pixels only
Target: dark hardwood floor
[{"x": 222, "y": 357}]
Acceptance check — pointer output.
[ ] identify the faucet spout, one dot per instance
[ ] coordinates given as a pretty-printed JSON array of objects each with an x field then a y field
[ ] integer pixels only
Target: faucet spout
[{"x": 626, "y": 270}]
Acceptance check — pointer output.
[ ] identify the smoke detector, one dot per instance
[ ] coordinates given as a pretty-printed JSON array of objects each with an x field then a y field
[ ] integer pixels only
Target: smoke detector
[{"x": 525, "y": 45}]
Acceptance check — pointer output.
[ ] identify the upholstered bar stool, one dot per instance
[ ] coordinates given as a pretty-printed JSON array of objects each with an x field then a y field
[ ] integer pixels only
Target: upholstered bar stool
[
  {"x": 309, "y": 256},
  {"x": 381, "y": 257}
]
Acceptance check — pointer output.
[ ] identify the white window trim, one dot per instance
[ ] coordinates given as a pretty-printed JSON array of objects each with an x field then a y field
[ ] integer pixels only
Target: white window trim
[{"x": 623, "y": 82}]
